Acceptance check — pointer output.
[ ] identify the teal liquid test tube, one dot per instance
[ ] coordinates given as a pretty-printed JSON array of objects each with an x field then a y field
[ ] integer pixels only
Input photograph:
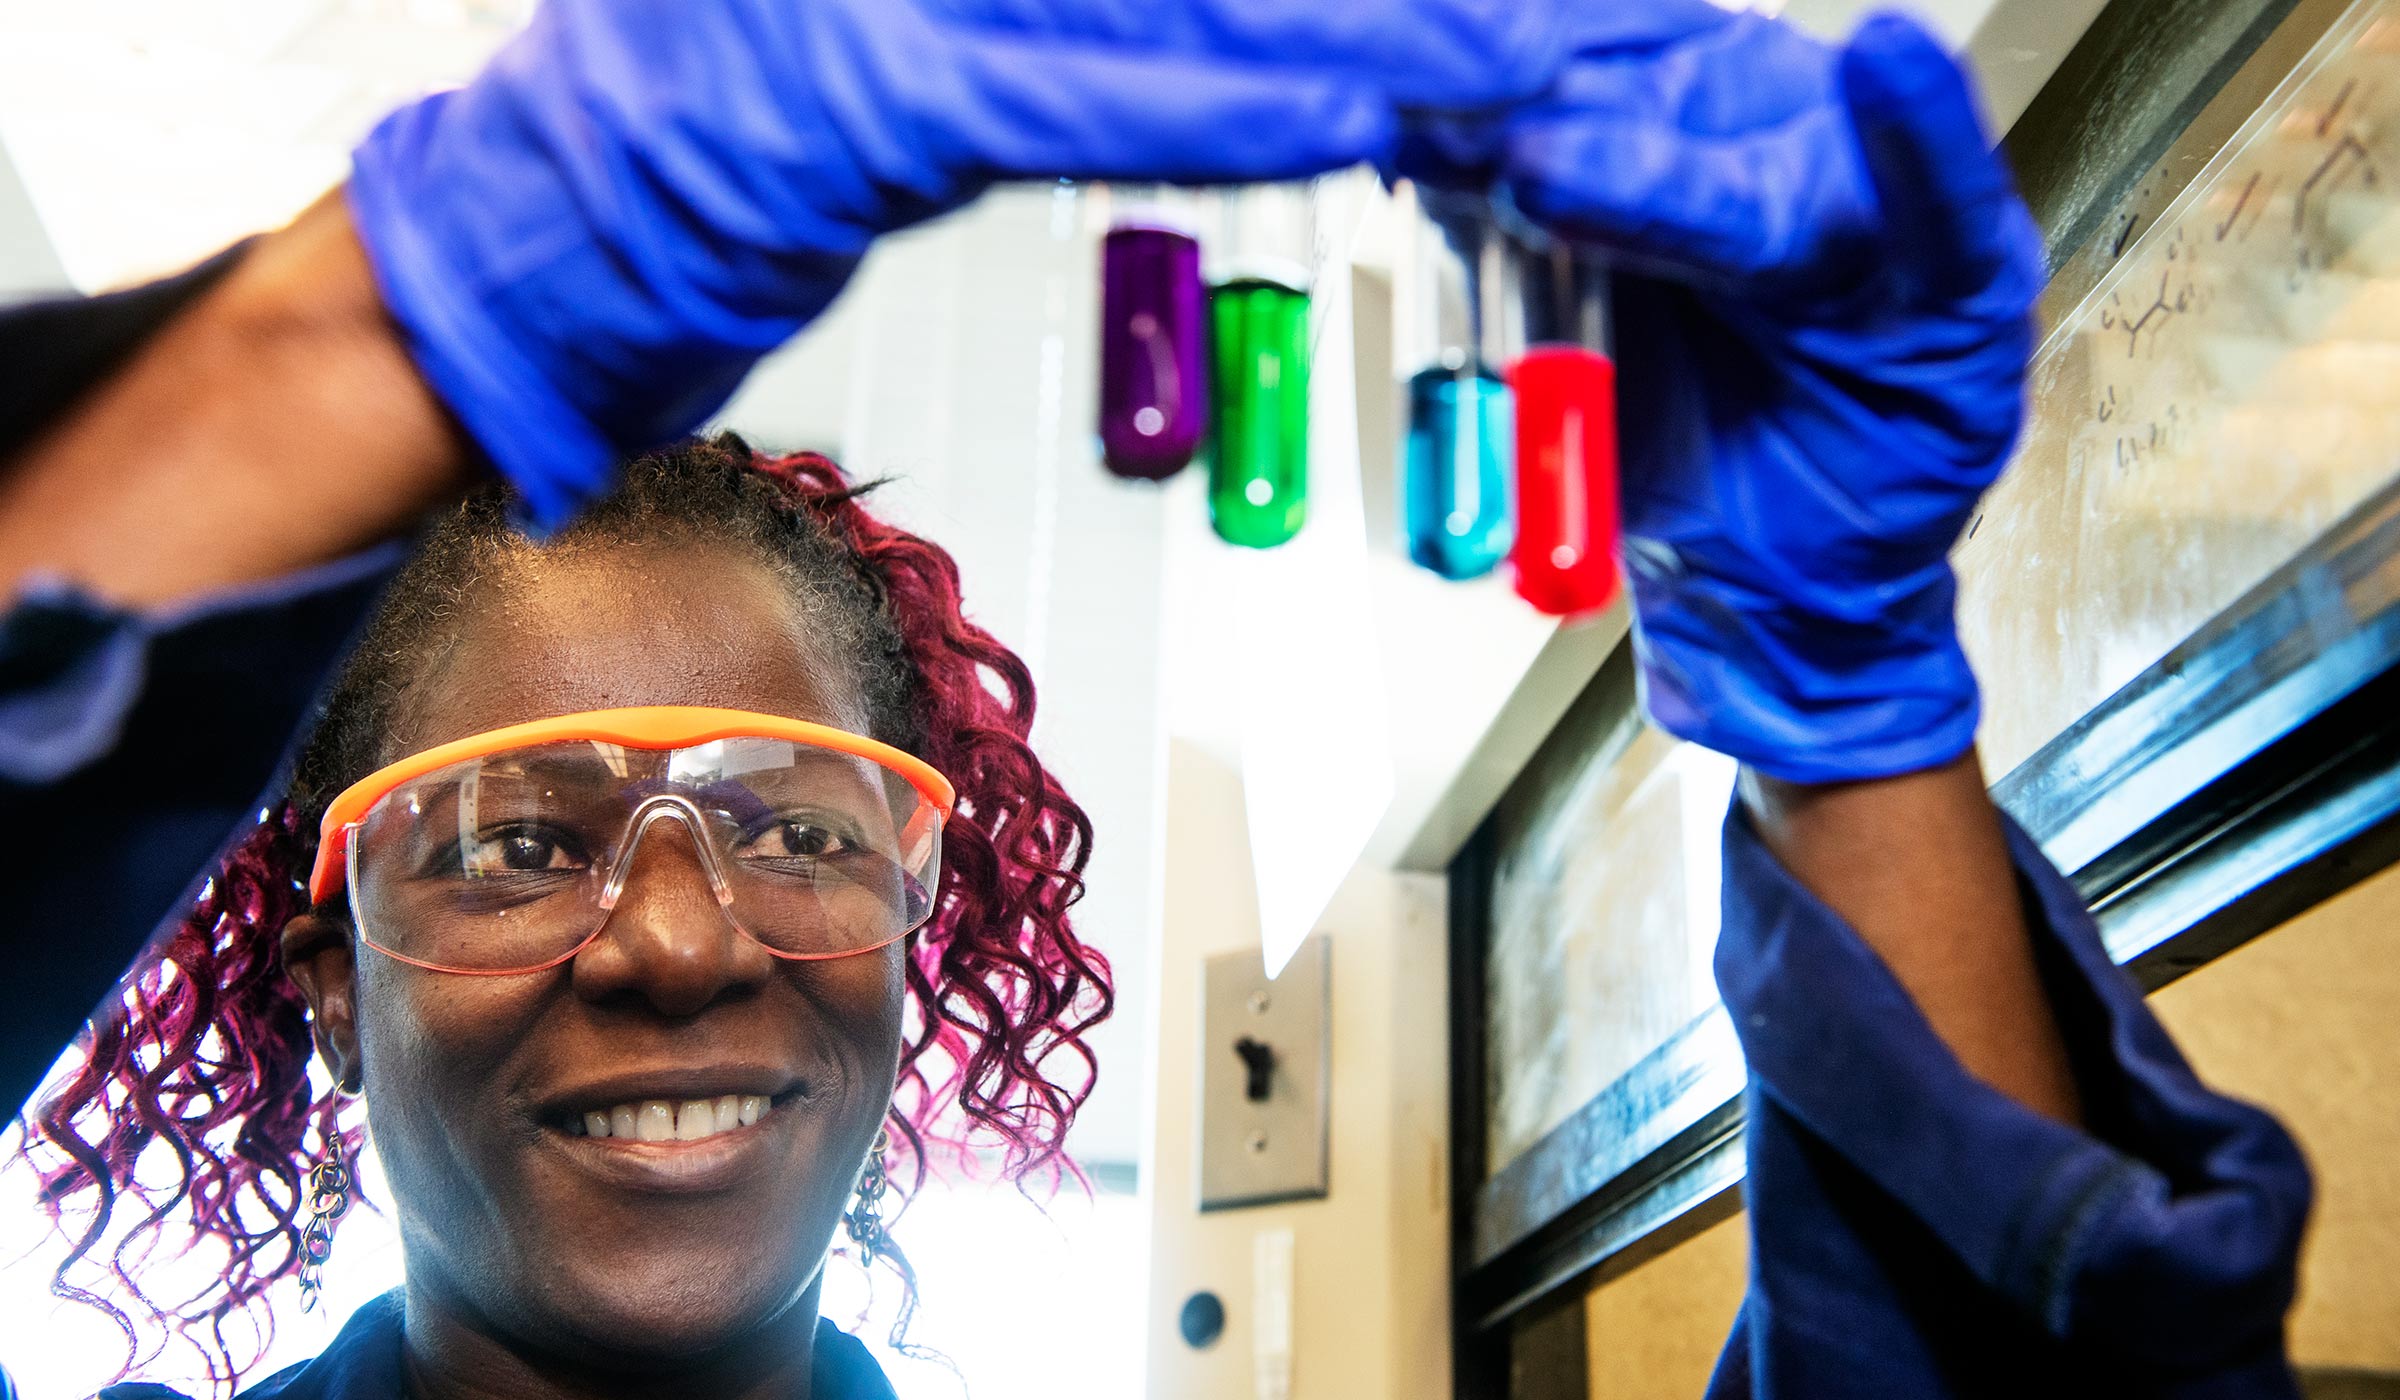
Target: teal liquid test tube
[
  {"x": 1461, "y": 424},
  {"x": 1457, "y": 445},
  {"x": 1258, "y": 309}
]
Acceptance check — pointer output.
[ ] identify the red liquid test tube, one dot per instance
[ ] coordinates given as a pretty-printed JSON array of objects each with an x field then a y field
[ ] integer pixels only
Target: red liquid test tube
[{"x": 1565, "y": 555}]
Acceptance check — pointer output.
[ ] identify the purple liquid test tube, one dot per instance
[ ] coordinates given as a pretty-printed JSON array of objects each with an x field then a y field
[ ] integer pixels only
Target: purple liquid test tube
[{"x": 1153, "y": 344}]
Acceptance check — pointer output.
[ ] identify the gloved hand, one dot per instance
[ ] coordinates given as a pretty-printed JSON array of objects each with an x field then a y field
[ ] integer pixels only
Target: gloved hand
[
  {"x": 1821, "y": 352},
  {"x": 589, "y": 245}
]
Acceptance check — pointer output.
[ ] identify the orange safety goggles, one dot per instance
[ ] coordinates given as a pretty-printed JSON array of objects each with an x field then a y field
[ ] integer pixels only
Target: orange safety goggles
[{"x": 505, "y": 852}]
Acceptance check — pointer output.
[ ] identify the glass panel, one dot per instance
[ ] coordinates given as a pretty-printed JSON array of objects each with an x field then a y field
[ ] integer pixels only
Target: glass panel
[
  {"x": 1604, "y": 913},
  {"x": 2221, "y": 397}
]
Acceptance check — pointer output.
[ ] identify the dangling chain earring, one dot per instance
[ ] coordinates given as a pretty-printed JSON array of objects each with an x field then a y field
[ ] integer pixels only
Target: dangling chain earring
[
  {"x": 328, "y": 1202},
  {"x": 865, "y": 1220}
]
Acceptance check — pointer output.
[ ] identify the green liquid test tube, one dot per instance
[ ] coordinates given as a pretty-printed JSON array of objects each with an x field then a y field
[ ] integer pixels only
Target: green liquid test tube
[{"x": 1258, "y": 457}]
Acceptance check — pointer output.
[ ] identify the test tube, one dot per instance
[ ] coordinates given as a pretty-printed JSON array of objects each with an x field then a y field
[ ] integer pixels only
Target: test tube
[
  {"x": 1565, "y": 554},
  {"x": 1259, "y": 322},
  {"x": 1153, "y": 366},
  {"x": 1454, "y": 455}
]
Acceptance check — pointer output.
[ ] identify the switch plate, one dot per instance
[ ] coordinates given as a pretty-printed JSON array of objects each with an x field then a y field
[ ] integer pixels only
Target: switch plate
[{"x": 1253, "y": 1153}]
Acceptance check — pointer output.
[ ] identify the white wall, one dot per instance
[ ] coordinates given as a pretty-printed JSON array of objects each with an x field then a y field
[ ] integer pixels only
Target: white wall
[
  {"x": 1370, "y": 1295},
  {"x": 28, "y": 264}
]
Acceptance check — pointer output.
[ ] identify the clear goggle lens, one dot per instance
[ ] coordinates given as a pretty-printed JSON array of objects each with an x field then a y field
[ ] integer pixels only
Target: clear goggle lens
[{"x": 512, "y": 861}]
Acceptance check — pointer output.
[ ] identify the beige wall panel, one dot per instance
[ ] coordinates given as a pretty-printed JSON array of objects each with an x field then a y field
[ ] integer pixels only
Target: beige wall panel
[
  {"x": 2302, "y": 1021},
  {"x": 1654, "y": 1333}
]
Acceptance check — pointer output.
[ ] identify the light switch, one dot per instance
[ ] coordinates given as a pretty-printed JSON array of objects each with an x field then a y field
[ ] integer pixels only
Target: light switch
[{"x": 1264, "y": 1078}]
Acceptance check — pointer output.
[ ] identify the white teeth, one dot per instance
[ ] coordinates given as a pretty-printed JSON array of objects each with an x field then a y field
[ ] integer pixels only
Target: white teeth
[{"x": 676, "y": 1120}]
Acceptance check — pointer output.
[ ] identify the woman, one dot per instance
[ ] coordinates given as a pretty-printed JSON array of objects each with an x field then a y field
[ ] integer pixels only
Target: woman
[
  {"x": 621, "y": 1121},
  {"x": 1976, "y": 1166}
]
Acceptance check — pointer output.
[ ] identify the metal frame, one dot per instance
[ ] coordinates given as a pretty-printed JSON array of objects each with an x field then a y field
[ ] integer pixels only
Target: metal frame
[
  {"x": 2249, "y": 774},
  {"x": 1479, "y": 1349},
  {"x": 1657, "y": 1145}
]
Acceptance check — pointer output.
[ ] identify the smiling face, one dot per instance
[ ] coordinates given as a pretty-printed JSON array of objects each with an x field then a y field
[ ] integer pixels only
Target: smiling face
[{"x": 482, "y": 1091}]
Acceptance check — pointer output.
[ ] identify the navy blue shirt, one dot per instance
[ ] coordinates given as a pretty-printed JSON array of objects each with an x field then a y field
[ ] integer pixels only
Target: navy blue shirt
[
  {"x": 1914, "y": 1233},
  {"x": 364, "y": 1363}
]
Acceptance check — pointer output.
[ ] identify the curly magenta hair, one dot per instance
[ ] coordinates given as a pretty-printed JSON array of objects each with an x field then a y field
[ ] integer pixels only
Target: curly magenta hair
[{"x": 202, "y": 1073}]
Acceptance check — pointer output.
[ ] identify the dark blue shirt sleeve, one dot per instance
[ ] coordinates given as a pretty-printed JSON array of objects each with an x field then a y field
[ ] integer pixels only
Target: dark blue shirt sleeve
[
  {"x": 1915, "y": 1232},
  {"x": 133, "y": 746}
]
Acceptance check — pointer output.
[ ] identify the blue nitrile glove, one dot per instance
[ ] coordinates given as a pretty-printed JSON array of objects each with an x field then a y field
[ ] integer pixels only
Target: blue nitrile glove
[
  {"x": 1821, "y": 349},
  {"x": 589, "y": 245}
]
